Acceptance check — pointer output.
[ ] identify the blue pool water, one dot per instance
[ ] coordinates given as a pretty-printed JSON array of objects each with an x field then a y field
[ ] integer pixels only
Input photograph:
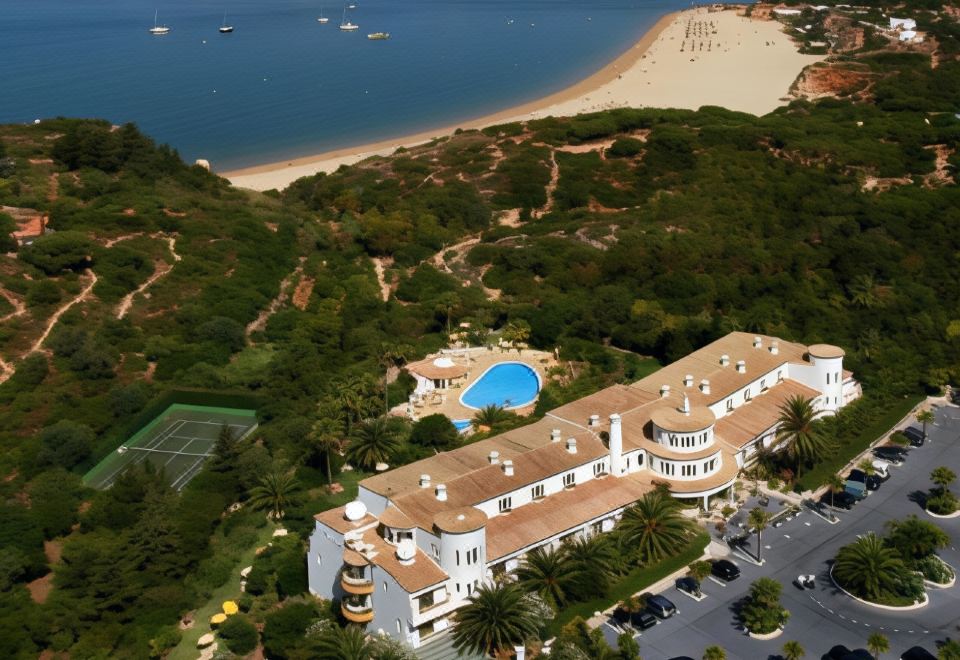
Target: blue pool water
[
  {"x": 508, "y": 384},
  {"x": 462, "y": 424},
  {"x": 283, "y": 85}
]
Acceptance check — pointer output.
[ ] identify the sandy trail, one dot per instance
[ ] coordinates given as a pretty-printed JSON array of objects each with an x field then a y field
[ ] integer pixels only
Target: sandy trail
[
  {"x": 160, "y": 269},
  {"x": 380, "y": 265},
  {"x": 18, "y": 307},
  {"x": 83, "y": 295},
  {"x": 260, "y": 323},
  {"x": 551, "y": 187}
]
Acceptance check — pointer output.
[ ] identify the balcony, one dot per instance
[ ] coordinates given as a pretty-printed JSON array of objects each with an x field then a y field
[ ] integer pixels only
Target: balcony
[
  {"x": 424, "y": 607},
  {"x": 357, "y": 613},
  {"x": 353, "y": 584}
]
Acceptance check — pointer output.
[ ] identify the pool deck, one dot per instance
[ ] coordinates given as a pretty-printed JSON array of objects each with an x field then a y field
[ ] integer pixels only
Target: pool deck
[{"x": 478, "y": 360}]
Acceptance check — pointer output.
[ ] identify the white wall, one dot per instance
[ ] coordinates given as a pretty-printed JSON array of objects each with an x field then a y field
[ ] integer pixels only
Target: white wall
[
  {"x": 522, "y": 495},
  {"x": 769, "y": 380}
]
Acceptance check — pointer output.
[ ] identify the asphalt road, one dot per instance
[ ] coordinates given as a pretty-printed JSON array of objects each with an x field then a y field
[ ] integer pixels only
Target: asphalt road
[{"x": 824, "y": 616}]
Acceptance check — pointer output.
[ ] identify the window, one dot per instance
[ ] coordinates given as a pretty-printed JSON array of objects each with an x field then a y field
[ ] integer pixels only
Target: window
[
  {"x": 469, "y": 589},
  {"x": 506, "y": 504},
  {"x": 537, "y": 492},
  {"x": 569, "y": 480},
  {"x": 639, "y": 461},
  {"x": 384, "y": 586},
  {"x": 746, "y": 394},
  {"x": 628, "y": 463},
  {"x": 828, "y": 378},
  {"x": 687, "y": 470},
  {"x": 673, "y": 440},
  {"x": 458, "y": 557},
  {"x": 780, "y": 375},
  {"x": 398, "y": 626},
  {"x": 476, "y": 555},
  {"x": 599, "y": 469},
  {"x": 763, "y": 385},
  {"x": 435, "y": 550},
  {"x": 729, "y": 405}
]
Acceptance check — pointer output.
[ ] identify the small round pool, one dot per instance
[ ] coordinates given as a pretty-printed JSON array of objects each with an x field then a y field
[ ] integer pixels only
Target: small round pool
[{"x": 506, "y": 384}]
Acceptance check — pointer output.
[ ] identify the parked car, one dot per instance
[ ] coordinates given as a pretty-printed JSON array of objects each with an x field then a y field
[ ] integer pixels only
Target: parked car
[
  {"x": 881, "y": 469},
  {"x": 841, "y": 500},
  {"x": 643, "y": 620},
  {"x": 688, "y": 585},
  {"x": 917, "y": 653},
  {"x": 662, "y": 606},
  {"x": 836, "y": 653},
  {"x": 893, "y": 455},
  {"x": 871, "y": 481},
  {"x": 725, "y": 569},
  {"x": 806, "y": 581},
  {"x": 856, "y": 489},
  {"x": 914, "y": 435}
]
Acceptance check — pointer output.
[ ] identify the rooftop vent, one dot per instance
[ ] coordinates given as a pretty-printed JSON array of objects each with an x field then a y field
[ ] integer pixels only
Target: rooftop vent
[
  {"x": 494, "y": 457},
  {"x": 442, "y": 492},
  {"x": 775, "y": 347},
  {"x": 724, "y": 360},
  {"x": 572, "y": 445},
  {"x": 508, "y": 467},
  {"x": 757, "y": 342},
  {"x": 406, "y": 552},
  {"x": 555, "y": 435},
  {"x": 355, "y": 511},
  {"x": 686, "y": 405},
  {"x": 594, "y": 421},
  {"x": 424, "y": 481},
  {"x": 741, "y": 367},
  {"x": 664, "y": 391},
  {"x": 705, "y": 386},
  {"x": 688, "y": 380}
]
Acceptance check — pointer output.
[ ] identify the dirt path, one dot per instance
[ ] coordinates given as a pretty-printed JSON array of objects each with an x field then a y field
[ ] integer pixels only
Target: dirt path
[
  {"x": 160, "y": 269},
  {"x": 18, "y": 307},
  {"x": 110, "y": 242},
  {"x": 551, "y": 187},
  {"x": 260, "y": 323},
  {"x": 941, "y": 174},
  {"x": 6, "y": 371},
  {"x": 83, "y": 295},
  {"x": 459, "y": 249},
  {"x": 380, "y": 265}
]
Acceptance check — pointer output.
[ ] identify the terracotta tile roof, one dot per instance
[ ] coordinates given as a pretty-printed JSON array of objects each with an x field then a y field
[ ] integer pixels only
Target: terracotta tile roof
[
  {"x": 535, "y": 522},
  {"x": 394, "y": 517},
  {"x": 486, "y": 483},
  {"x": 620, "y": 399},
  {"x": 335, "y": 519},
  {"x": 825, "y": 351},
  {"x": 429, "y": 369},
  {"x": 460, "y": 521},
  {"x": 751, "y": 419},
  {"x": 422, "y": 573},
  {"x": 726, "y": 475},
  {"x": 670, "y": 418}
]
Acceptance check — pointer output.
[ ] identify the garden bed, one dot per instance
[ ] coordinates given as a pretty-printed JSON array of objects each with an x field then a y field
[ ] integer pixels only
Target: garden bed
[{"x": 895, "y": 608}]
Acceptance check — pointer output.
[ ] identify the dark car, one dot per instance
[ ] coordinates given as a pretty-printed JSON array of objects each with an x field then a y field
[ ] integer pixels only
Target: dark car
[
  {"x": 859, "y": 654},
  {"x": 841, "y": 500},
  {"x": 894, "y": 455},
  {"x": 917, "y": 653},
  {"x": 725, "y": 569},
  {"x": 688, "y": 585},
  {"x": 643, "y": 620},
  {"x": 662, "y": 606},
  {"x": 914, "y": 435},
  {"x": 836, "y": 653},
  {"x": 871, "y": 480}
]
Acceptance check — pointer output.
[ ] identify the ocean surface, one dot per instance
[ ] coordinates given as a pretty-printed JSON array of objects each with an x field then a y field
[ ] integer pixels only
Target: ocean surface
[{"x": 283, "y": 85}]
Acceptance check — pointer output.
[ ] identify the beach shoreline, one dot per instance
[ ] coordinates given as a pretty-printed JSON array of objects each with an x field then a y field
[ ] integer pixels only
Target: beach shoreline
[{"x": 747, "y": 70}]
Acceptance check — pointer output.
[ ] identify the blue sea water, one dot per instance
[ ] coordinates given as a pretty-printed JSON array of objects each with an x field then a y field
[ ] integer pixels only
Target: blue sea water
[
  {"x": 508, "y": 384},
  {"x": 283, "y": 85}
]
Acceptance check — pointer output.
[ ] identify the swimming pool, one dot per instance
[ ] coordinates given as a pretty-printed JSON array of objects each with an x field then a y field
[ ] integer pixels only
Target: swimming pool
[
  {"x": 506, "y": 384},
  {"x": 462, "y": 424}
]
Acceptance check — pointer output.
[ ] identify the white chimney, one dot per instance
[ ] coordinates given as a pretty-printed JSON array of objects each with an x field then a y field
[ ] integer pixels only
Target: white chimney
[
  {"x": 724, "y": 360},
  {"x": 757, "y": 342},
  {"x": 741, "y": 367},
  {"x": 705, "y": 386},
  {"x": 664, "y": 391},
  {"x": 442, "y": 492},
  {"x": 688, "y": 380},
  {"x": 572, "y": 445},
  {"x": 775, "y": 347},
  {"x": 594, "y": 421},
  {"x": 508, "y": 467},
  {"x": 686, "y": 405},
  {"x": 616, "y": 445},
  {"x": 424, "y": 481},
  {"x": 494, "y": 457},
  {"x": 555, "y": 435}
]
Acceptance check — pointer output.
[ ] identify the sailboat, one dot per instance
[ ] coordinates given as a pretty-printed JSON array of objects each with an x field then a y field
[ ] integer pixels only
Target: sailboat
[
  {"x": 224, "y": 28},
  {"x": 322, "y": 19},
  {"x": 157, "y": 28},
  {"x": 346, "y": 25}
]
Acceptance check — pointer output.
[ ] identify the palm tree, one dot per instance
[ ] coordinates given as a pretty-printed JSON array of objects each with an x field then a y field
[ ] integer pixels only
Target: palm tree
[
  {"x": 372, "y": 442},
  {"x": 336, "y": 643},
  {"x": 798, "y": 431},
  {"x": 490, "y": 416},
  {"x": 758, "y": 519},
  {"x": 792, "y": 650},
  {"x": 863, "y": 291},
  {"x": 835, "y": 484},
  {"x": 548, "y": 573},
  {"x": 878, "y": 643},
  {"x": 943, "y": 477},
  {"x": 495, "y": 620},
  {"x": 594, "y": 559},
  {"x": 868, "y": 568},
  {"x": 516, "y": 333},
  {"x": 925, "y": 417},
  {"x": 915, "y": 539},
  {"x": 714, "y": 653},
  {"x": 326, "y": 437},
  {"x": 277, "y": 492},
  {"x": 949, "y": 650},
  {"x": 655, "y": 527}
]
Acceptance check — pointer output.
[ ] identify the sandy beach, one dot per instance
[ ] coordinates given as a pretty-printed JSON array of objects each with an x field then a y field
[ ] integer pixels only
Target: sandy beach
[{"x": 686, "y": 60}]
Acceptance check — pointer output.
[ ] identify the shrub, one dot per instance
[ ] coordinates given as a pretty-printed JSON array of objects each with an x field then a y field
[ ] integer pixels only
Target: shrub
[
  {"x": 65, "y": 443},
  {"x": 761, "y": 612},
  {"x": 625, "y": 148},
  {"x": 65, "y": 250},
  {"x": 942, "y": 504},
  {"x": 434, "y": 431},
  {"x": 935, "y": 570},
  {"x": 285, "y": 628},
  {"x": 44, "y": 292},
  {"x": 899, "y": 439},
  {"x": 240, "y": 634}
]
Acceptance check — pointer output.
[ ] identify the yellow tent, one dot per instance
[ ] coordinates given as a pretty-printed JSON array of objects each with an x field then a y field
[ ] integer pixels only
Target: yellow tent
[
  {"x": 217, "y": 619},
  {"x": 230, "y": 607}
]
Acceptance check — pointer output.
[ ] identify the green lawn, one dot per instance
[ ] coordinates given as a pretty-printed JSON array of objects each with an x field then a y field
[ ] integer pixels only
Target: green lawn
[
  {"x": 854, "y": 445},
  {"x": 635, "y": 581}
]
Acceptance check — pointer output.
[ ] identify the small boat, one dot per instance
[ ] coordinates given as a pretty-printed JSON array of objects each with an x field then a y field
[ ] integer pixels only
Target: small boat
[
  {"x": 378, "y": 36},
  {"x": 224, "y": 28},
  {"x": 351, "y": 6},
  {"x": 346, "y": 25},
  {"x": 322, "y": 19},
  {"x": 157, "y": 28}
]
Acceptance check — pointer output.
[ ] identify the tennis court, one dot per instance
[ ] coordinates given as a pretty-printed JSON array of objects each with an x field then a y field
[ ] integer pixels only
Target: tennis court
[{"x": 178, "y": 441}]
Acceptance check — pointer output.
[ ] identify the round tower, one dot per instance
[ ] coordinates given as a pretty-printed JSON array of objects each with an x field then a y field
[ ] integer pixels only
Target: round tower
[
  {"x": 827, "y": 361},
  {"x": 463, "y": 548}
]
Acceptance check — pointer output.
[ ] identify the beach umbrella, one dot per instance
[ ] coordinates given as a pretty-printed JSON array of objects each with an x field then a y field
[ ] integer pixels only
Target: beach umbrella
[
  {"x": 230, "y": 607},
  {"x": 217, "y": 619}
]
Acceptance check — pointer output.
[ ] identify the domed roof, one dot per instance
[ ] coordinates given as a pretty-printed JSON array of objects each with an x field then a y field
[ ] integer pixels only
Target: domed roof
[
  {"x": 443, "y": 362},
  {"x": 460, "y": 521},
  {"x": 669, "y": 418},
  {"x": 825, "y": 351}
]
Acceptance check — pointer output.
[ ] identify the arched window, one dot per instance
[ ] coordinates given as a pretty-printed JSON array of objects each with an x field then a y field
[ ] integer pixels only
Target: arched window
[{"x": 399, "y": 630}]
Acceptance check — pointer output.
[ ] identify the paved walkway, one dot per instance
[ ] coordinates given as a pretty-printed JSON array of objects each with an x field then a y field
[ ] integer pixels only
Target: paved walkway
[{"x": 823, "y": 616}]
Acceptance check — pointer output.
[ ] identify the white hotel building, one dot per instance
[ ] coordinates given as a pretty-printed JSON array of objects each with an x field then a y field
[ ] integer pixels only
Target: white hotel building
[{"x": 423, "y": 536}]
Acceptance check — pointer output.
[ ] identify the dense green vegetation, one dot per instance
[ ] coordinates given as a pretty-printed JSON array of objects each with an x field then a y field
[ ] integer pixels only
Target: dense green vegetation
[{"x": 831, "y": 221}]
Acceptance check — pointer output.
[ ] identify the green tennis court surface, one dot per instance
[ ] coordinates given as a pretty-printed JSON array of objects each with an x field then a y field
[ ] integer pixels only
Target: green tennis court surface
[{"x": 178, "y": 441}]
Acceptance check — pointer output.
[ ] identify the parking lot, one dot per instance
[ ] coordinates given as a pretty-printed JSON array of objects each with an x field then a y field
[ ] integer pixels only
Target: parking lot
[{"x": 823, "y": 616}]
